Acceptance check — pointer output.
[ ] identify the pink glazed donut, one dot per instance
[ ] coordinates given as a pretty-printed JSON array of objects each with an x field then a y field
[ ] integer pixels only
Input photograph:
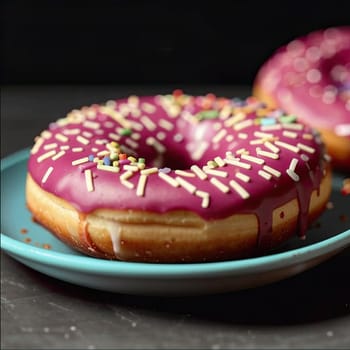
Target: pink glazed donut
[
  {"x": 311, "y": 78},
  {"x": 177, "y": 178}
]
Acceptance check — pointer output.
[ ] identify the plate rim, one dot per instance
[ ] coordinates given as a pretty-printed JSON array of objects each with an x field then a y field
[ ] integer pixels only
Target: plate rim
[{"x": 88, "y": 264}]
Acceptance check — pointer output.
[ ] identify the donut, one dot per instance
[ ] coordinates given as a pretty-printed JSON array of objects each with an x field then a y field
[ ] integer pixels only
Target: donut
[
  {"x": 310, "y": 77},
  {"x": 177, "y": 178}
]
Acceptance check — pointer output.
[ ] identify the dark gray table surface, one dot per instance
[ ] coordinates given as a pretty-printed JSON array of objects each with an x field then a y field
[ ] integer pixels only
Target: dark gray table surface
[{"x": 310, "y": 310}]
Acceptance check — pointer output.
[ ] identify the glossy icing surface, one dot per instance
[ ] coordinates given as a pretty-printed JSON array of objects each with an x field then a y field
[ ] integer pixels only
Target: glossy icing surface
[
  {"x": 311, "y": 77},
  {"x": 208, "y": 155}
]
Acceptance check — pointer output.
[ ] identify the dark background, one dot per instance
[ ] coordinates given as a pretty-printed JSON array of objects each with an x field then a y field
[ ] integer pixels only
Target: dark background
[{"x": 151, "y": 42}]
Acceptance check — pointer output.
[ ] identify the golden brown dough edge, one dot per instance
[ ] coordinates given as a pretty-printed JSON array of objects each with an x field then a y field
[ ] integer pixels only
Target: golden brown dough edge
[{"x": 178, "y": 236}]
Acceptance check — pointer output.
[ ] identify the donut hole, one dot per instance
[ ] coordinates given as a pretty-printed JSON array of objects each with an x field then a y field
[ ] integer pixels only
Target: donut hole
[
  {"x": 188, "y": 145},
  {"x": 174, "y": 159}
]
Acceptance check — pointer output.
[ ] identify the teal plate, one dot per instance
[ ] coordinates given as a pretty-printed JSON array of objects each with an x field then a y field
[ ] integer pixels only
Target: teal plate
[{"x": 35, "y": 247}]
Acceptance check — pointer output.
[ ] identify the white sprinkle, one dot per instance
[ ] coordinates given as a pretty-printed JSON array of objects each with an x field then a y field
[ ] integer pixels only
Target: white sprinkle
[
  {"x": 287, "y": 146},
  {"x": 89, "y": 180},
  {"x": 133, "y": 100},
  {"x": 219, "y": 161},
  {"x": 151, "y": 141},
  {"x": 46, "y": 134},
  {"x": 243, "y": 177},
  {"x": 229, "y": 155},
  {"x": 58, "y": 155},
  {"x": 101, "y": 141},
  {"x": 39, "y": 141},
  {"x": 238, "y": 163},
  {"x": 91, "y": 114},
  {"x": 137, "y": 126},
  {"x": 161, "y": 135},
  {"x": 46, "y": 155},
  {"x": 215, "y": 172},
  {"x": 272, "y": 171},
  {"x": 108, "y": 124},
  {"x": 112, "y": 169},
  {"x": 271, "y": 147},
  {"x": 131, "y": 167},
  {"x": 65, "y": 147},
  {"x": 185, "y": 184},
  {"x": 82, "y": 140},
  {"x": 124, "y": 179},
  {"x": 307, "y": 136},
  {"x": 87, "y": 134},
  {"x": 198, "y": 153},
  {"x": 243, "y": 135},
  {"x": 149, "y": 171},
  {"x": 239, "y": 189},
  {"x": 80, "y": 161},
  {"x": 262, "y": 135},
  {"x": 178, "y": 137},
  {"x": 116, "y": 116},
  {"x": 103, "y": 153},
  {"x": 165, "y": 124},
  {"x": 124, "y": 109},
  {"x": 221, "y": 134},
  {"x": 293, "y": 126},
  {"x": 77, "y": 149},
  {"x": 225, "y": 112},
  {"x": 271, "y": 155},
  {"x": 71, "y": 131},
  {"x": 148, "y": 108},
  {"x": 290, "y": 134},
  {"x": 257, "y": 142},
  {"x": 293, "y": 175},
  {"x": 61, "y": 138},
  {"x": 270, "y": 127},
  {"x": 184, "y": 173},
  {"x": 313, "y": 76},
  {"x": 171, "y": 181},
  {"x": 252, "y": 159},
  {"x": 241, "y": 151},
  {"x": 306, "y": 148},
  {"x": 148, "y": 123},
  {"x": 135, "y": 136},
  {"x": 141, "y": 185},
  {"x": 199, "y": 172},
  {"x": 229, "y": 138},
  {"x": 242, "y": 125},
  {"x": 47, "y": 174},
  {"x": 127, "y": 175},
  {"x": 205, "y": 198},
  {"x": 293, "y": 164},
  {"x": 135, "y": 112},
  {"x": 264, "y": 174},
  {"x": 173, "y": 111},
  {"x": 50, "y": 146},
  {"x": 127, "y": 184},
  {"x": 111, "y": 147},
  {"x": 234, "y": 119},
  {"x": 133, "y": 144},
  {"x": 218, "y": 184},
  {"x": 91, "y": 125}
]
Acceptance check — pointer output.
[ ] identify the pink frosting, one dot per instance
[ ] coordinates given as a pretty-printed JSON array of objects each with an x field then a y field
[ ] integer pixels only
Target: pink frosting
[
  {"x": 311, "y": 77},
  {"x": 254, "y": 159}
]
